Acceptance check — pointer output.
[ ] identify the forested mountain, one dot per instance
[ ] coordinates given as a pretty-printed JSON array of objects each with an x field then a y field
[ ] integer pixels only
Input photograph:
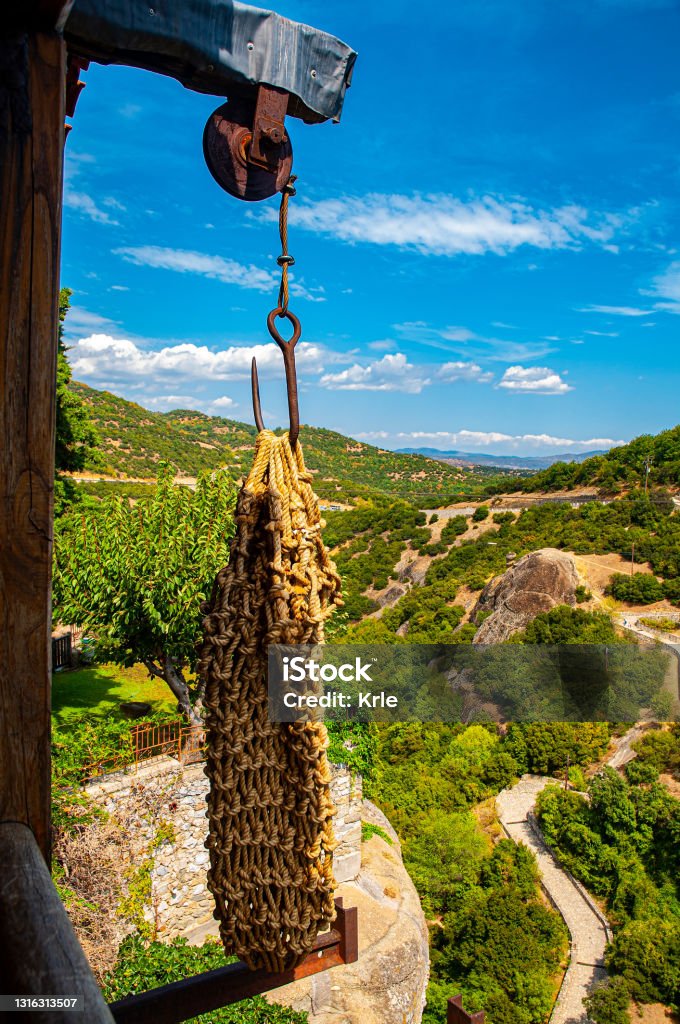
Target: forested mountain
[
  {"x": 656, "y": 456},
  {"x": 133, "y": 441}
]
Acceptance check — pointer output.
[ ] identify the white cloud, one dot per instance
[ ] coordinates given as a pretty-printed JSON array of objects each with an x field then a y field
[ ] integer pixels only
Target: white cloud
[
  {"x": 603, "y": 334},
  {"x": 445, "y": 225},
  {"x": 188, "y": 262},
  {"x": 615, "y": 310},
  {"x": 129, "y": 110},
  {"x": 450, "y": 372},
  {"x": 85, "y": 205},
  {"x": 220, "y": 268},
  {"x": 536, "y": 380},
  {"x": 499, "y": 442},
  {"x": 220, "y": 405},
  {"x": 101, "y": 358},
  {"x": 382, "y": 346},
  {"x": 166, "y": 403},
  {"x": 113, "y": 204},
  {"x": 667, "y": 287},
  {"x": 391, "y": 373},
  {"x": 465, "y": 342},
  {"x": 80, "y": 322},
  {"x": 80, "y": 201}
]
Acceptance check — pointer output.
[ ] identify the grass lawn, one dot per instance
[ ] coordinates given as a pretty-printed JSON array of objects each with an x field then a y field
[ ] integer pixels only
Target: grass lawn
[{"x": 99, "y": 689}]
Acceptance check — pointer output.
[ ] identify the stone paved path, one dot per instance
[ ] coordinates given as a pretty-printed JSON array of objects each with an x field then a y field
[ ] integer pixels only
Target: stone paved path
[{"x": 586, "y": 928}]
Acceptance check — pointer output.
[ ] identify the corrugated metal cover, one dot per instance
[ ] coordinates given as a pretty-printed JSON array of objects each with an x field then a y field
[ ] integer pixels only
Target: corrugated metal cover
[{"x": 217, "y": 46}]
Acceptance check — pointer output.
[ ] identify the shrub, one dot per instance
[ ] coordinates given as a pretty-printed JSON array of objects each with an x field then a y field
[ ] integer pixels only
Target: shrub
[
  {"x": 608, "y": 1003},
  {"x": 141, "y": 966},
  {"x": 480, "y": 514},
  {"x": 640, "y": 588}
]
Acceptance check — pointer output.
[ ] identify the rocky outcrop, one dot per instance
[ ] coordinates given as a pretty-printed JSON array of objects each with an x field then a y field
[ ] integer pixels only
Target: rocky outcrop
[
  {"x": 391, "y": 595},
  {"x": 387, "y": 983},
  {"x": 536, "y": 583}
]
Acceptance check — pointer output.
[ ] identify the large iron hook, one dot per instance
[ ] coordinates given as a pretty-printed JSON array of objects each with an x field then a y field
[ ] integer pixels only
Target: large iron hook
[{"x": 288, "y": 350}]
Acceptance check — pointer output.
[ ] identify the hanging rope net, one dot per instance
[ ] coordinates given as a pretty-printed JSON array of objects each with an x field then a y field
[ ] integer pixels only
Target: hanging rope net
[{"x": 269, "y": 808}]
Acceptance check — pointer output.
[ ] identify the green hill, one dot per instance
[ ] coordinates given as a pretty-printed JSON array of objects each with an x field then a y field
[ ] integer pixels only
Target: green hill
[
  {"x": 134, "y": 441},
  {"x": 618, "y": 469}
]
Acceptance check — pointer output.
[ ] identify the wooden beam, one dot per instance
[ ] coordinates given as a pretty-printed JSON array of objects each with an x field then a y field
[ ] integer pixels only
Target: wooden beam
[
  {"x": 31, "y": 162},
  {"x": 41, "y": 955},
  {"x": 182, "y": 1000}
]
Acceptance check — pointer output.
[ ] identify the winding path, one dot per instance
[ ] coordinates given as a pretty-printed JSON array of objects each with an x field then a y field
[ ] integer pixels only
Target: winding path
[{"x": 587, "y": 926}]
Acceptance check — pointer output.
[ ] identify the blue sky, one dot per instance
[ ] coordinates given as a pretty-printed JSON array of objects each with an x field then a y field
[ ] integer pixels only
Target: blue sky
[{"x": 487, "y": 246}]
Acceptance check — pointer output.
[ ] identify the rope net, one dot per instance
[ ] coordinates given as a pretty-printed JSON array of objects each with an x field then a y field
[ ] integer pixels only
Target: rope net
[{"x": 269, "y": 807}]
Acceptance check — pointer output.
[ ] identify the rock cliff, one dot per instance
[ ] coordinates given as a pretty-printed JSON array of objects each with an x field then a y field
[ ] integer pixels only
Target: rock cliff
[
  {"x": 536, "y": 583},
  {"x": 387, "y": 984}
]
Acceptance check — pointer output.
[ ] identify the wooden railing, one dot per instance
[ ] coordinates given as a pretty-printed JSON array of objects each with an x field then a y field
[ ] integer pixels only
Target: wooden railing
[
  {"x": 42, "y": 956},
  {"x": 40, "y": 952}
]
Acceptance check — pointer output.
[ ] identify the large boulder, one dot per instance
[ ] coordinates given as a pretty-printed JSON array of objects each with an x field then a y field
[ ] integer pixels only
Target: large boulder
[{"x": 536, "y": 583}]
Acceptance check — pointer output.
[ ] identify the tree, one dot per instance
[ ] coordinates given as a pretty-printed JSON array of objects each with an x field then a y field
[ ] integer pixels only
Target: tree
[
  {"x": 640, "y": 588},
  {"x": 135, "y": 576},
  {"x": 446, "y": 850},
  {"x": 608, "y": 1003},
  {"x": 480, "y": 513},
  {"x": 76, "y": 435}
]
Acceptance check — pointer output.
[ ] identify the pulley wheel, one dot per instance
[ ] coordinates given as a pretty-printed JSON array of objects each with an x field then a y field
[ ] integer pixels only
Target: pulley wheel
[{"x": 226, "y": 138}]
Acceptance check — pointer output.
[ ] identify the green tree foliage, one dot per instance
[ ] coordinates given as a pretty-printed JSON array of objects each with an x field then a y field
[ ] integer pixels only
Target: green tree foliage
[
  {"x": 135, "y": 576},
  {"x": 145, "y": 965},
  {"x": 76, "y": 437},
  {"x": 624, "y": 845},
  {"x": 544, "y": 748},
  {"x": 660, "y": 749},
  {"x": 356, "y": 745},
  {"x": 366, "y": 544},
  {"x": 640, "y": 588},
  {"x": 447, "y": 849},
  {"x": 499, "y": 945},
  {"x": 608, "y": 1003},
  {"x": 566, "y": 625},
  {"x": 429, "y": 768},
  {"x": 619, "y": 467},
  {"x": 480, "y": 514}
]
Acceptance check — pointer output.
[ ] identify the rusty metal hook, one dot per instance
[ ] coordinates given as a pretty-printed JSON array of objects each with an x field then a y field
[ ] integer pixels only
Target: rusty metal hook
[{"x": 288, "y": 350}]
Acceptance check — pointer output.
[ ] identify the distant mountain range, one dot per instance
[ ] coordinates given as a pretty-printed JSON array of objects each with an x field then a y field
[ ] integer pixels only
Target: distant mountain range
[{"x": 526, "y": 462}]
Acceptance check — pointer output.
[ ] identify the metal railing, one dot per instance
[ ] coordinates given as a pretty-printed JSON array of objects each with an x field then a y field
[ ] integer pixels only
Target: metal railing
[
  {"x": 172, "y": 739},
  {"x": 62, "y": 651}
]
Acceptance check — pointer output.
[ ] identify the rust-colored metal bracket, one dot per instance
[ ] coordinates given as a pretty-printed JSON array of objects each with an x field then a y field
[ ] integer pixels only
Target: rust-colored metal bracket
[
  {"x": 74, "y": 86},
  {"x": 181, "y": 1000},
  {"x": 269, "y": 132}
]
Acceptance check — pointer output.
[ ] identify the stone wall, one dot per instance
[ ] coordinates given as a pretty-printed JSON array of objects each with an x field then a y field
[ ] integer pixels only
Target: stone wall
[{"x": 180, "y": 901}]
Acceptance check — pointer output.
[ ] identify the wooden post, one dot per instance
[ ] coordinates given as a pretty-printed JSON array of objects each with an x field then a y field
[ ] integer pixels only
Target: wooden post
[
  {"x": 41, "y": 955},
  {"x": 31, "y": 163}
]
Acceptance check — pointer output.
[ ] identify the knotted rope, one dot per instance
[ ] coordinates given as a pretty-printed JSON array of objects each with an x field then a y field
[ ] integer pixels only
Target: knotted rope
[{"x": 269, "y": 808}]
